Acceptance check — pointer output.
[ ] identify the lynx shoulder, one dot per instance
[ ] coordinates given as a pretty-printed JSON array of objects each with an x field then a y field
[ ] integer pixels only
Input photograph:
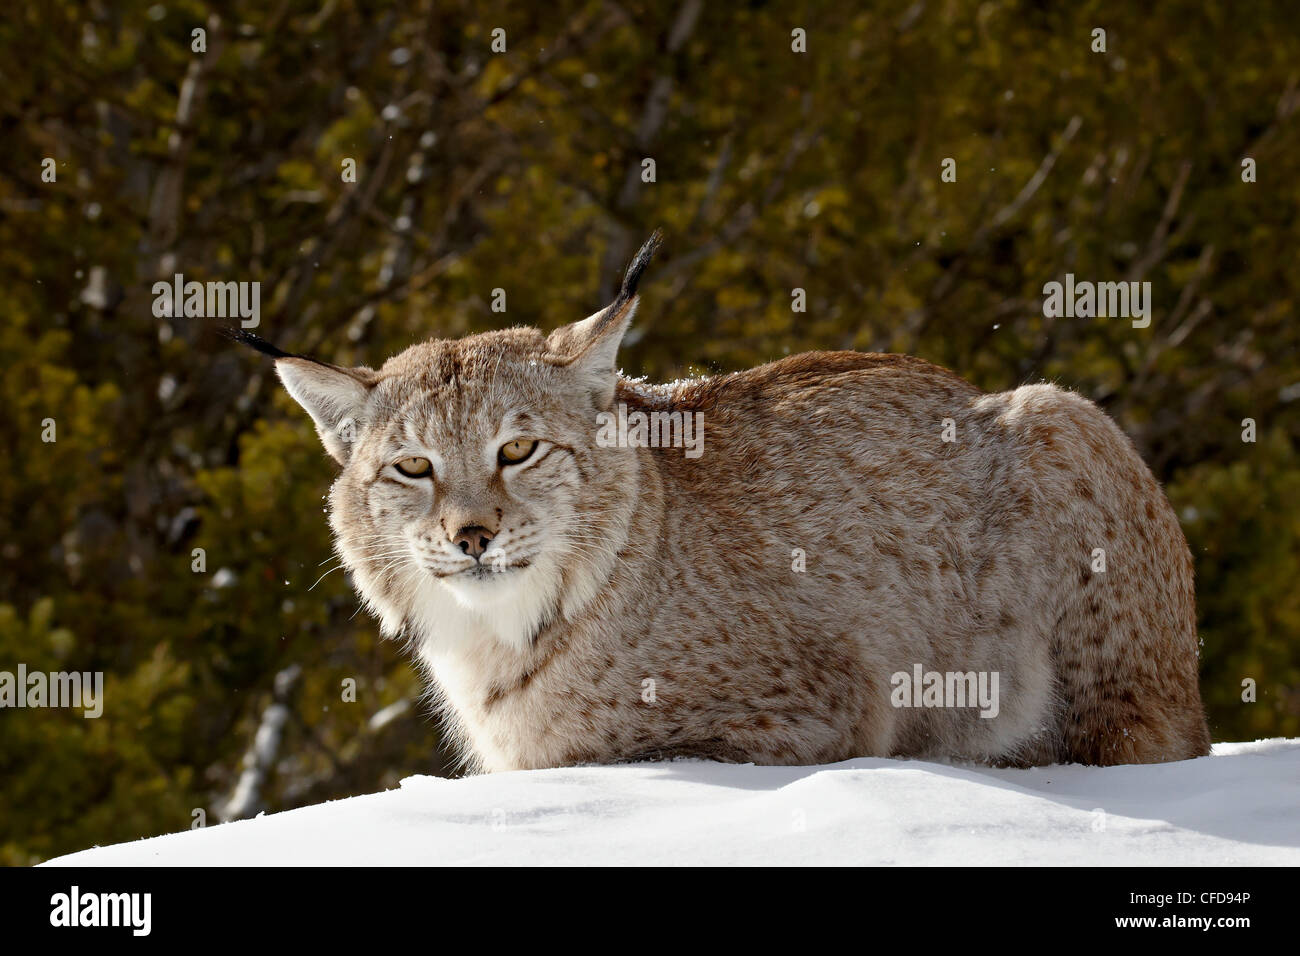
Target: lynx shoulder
[{"x": 834, "y": 555}]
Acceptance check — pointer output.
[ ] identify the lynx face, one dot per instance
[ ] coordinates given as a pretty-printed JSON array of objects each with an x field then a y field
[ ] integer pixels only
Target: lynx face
[
  {"x": 471, "y": 506},
  {"x": 466, "y": 503}
]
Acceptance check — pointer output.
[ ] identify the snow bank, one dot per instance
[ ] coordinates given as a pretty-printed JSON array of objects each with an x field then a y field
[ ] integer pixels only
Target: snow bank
[{"x": 1238, "y": 806}]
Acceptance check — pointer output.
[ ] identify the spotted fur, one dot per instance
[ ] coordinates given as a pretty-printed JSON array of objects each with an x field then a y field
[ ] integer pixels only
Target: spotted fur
[{"x": 651, "y": 605}]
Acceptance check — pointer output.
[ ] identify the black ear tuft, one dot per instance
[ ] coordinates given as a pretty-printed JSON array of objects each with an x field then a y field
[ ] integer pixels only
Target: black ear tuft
[
  {"x": 244, "y": 337},
  {"x": 638, "y": 264}
]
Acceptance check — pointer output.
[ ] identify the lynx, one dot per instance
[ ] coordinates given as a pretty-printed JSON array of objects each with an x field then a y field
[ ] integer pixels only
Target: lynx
[{"x": 853, "y": 524}]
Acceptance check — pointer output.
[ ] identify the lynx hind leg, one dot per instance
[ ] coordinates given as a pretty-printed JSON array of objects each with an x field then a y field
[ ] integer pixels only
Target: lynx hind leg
[
  {"x": 1125, "y": 644},
  {"x": 1128, "y": 681}
]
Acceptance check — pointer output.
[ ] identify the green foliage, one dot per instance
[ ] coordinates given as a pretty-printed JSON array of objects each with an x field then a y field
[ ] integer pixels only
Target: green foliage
[
  {"x": 478, "y": 171},
  {"x": 1243, "y": 525}
]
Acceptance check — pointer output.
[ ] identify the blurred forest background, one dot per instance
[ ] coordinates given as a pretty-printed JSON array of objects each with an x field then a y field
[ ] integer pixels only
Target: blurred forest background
[{"x": 522, "y": 170}]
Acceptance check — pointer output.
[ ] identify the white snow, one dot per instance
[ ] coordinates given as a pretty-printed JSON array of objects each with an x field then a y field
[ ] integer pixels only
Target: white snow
[{"x": 1239, "y": 806}]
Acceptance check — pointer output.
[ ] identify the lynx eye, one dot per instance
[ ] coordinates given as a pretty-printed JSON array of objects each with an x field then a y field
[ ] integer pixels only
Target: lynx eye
[
  {"x": 513, "y": 452},
  {"x": 414, "y": 467}
]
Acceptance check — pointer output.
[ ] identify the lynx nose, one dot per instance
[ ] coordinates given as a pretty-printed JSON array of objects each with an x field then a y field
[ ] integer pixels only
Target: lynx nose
[{"x": 473, "y": 540}]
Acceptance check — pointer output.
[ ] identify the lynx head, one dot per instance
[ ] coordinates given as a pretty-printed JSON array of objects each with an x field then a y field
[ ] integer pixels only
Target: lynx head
[{"x": 474, "y": 503}]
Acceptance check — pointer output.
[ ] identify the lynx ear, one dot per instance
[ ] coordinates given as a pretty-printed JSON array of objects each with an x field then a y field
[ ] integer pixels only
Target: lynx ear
[
  {"x": 590, "y": 347},
  {"x": 334, "y": 397}
]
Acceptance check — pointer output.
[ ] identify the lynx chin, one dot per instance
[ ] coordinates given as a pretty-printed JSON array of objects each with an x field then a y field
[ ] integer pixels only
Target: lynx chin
[{"x": 543, "y": 578}]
